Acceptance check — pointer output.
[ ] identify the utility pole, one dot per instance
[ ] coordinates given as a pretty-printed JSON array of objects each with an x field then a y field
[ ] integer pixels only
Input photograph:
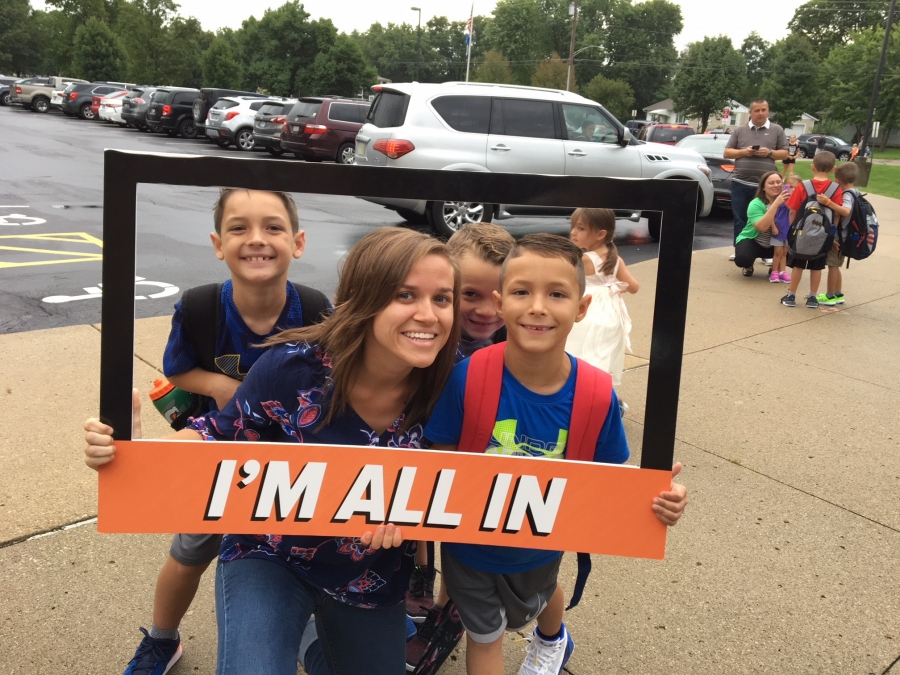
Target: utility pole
[
  {"x": 573, "y": 12},
  {"x": 418, "y": 39},
  {"x": 868, "y": 128}
]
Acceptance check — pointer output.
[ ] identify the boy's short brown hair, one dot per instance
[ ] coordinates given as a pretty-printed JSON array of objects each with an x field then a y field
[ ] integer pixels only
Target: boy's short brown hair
[
  {"x": 824, "y": 161},
  {"x": 488, "y": 242},
  {"x": 548, "y": 246},
  {"x": 846, "y": 173},
  {"x": 225, "y": 195}
]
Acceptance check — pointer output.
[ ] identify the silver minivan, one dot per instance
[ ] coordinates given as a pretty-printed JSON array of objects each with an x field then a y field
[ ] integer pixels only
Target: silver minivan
[{"x": 488, "y": 127}]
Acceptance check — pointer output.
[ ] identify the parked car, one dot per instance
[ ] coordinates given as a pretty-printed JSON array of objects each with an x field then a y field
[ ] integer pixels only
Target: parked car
[
  {"x": 111, "y": 108},
  {"x": 838, "y": 146},
  {"x": 35, "y": 93},
  {"x": 231, "y": 120},
  {"x": 78, "y": 100},
  {"x": 320, "y": 128},
  {"x": 268, "y": 123},
  {"x": 209, "y": 97},
  {"x": 636, "y": 125},
  {"x": 5, "y": 84},
  {"x": 712, "y": 148},
  {"x": 171, "y": 111},
  {"x": 135, "y": 105},
  {"x": 488, "y": 127},
  {"x": 669, "y": 134}
]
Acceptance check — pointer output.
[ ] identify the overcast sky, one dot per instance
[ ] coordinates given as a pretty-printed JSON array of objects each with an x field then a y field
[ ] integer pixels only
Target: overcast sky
[{"x": 701, "y": 17}]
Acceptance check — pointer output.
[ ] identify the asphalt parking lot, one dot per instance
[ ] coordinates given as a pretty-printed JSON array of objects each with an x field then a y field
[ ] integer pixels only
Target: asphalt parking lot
[{"x": 51, "y": 193}]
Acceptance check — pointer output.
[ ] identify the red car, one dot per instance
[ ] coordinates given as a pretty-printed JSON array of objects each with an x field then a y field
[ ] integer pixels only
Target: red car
[
  {"x": 319, "y": 127},
  {"x": 668, "y": 134},
  {"x": 95, "y": 101}
]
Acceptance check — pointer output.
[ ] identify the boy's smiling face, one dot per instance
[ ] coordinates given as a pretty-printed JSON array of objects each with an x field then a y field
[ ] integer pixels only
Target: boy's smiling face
[
  {"x": 478, "y": 312},
  {"x": 256, "y": 241},
  {"x": 539, "y": 302}
]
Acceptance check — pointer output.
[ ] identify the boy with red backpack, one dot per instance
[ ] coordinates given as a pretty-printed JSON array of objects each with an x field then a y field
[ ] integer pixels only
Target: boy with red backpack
[{"x": 540, "y": 391}]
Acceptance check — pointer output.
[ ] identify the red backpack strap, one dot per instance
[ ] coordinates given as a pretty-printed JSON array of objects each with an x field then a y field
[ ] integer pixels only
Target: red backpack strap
[
  {"x": 593, "y": 396},
  {"x": 482, "y": 398}
]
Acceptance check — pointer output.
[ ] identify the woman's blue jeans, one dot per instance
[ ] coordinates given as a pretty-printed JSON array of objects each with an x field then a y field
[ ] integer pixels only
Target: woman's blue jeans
[{"x": 262, "y": 608}]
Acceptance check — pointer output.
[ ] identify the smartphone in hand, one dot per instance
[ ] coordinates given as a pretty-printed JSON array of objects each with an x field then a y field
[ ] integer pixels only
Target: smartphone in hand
[{"x": 754, "y": 147}]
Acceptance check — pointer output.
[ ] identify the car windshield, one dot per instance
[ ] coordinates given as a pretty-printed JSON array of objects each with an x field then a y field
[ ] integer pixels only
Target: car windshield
[
  {"x": 838, "y": 141},
  {"x": 306, "y": 109},
  {"x": 224, "y": 104},
  {"x": 272, "y": 109},
  {"x": 708, "y": 145},
  {"x": 669, "y": 134}
]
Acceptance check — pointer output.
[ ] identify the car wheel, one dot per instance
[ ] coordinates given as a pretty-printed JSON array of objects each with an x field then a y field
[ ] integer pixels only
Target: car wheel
[
  {"x": 275, "y": 152},
  {"x": 243, "y": 140},
  {"x": 187, "y": 129},
  {"x": 844, "y": 156},
  {"x": 4, "y": 100},
  {"x": 346, "y": 154},
  {"x": 40, "y": 104},
  {"x": 412, "y": 217},
  {"x": 85, "y": 112},
  {"x": 654, "y": 223},
  {"x": 447, "y": 218},
  {"x": 802, "y": 153}
]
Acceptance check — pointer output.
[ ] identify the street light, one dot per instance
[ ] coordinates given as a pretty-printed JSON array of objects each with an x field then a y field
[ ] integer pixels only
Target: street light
[
  {"x": 418, "y": 39},
  {"x": 572, "y": 56},
  {"x": 573, "y": 12}
]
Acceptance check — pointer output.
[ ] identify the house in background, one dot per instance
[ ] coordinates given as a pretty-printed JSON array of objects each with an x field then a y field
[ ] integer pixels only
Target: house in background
[
  {"x": 804, "y": 125},
  {"x": 664, "y": 113}
]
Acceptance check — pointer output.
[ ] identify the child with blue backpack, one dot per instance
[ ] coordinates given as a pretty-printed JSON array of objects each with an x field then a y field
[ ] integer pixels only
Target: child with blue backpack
[
  {"x": 498, "y": 589},
  {"x": 845, "y": 175}
]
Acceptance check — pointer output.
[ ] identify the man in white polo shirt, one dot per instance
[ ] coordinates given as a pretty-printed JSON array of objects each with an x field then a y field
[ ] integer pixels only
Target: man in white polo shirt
[{"x": 754, "y": 149}]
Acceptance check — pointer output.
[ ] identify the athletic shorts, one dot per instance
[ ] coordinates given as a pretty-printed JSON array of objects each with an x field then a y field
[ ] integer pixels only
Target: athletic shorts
[
  {"x": 834, "y": 258},
  {"x": 490, "y": 603},
  {"x": 777, "y": 243},
  {"x": 814, "y": 264},
  {"x": 195, "y": 549},
  {"x": 789, "y": 160}
]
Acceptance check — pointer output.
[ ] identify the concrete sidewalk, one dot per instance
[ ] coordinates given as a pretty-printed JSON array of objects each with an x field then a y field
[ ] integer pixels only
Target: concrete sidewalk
[{"x": 785, "y": 562}]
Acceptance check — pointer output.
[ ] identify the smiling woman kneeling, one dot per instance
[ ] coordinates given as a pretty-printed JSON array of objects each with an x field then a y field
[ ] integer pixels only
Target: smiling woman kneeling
[{"x": 755, "y": 240}]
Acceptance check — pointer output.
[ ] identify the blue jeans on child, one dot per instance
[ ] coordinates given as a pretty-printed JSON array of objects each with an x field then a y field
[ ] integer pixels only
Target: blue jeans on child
[
  {"x": 262, "y": 608},
  {"x": 741, "y": 196}
]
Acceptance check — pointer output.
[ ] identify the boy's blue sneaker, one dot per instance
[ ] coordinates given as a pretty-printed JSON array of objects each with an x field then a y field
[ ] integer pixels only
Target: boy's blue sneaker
[
  {"x": 547, "y": 657},
  {"x": 154, "y": 656}
]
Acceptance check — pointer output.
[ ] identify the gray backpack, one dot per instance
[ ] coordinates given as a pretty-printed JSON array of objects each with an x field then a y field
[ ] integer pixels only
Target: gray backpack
[{"x": 812, "y": 232}]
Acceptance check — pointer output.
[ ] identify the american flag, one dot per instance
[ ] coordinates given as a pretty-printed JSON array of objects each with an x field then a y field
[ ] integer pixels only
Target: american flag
[{"x": 469, "y": 26}]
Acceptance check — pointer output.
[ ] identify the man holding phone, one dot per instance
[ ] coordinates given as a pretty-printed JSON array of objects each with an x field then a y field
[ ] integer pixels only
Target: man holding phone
[{"x": 754, "y": 149}]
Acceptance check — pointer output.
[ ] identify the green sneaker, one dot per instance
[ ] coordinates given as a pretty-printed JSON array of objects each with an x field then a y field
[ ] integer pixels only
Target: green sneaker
[
  {"x": 825, "y": 300},
  {"x": 839, "y": 298}
]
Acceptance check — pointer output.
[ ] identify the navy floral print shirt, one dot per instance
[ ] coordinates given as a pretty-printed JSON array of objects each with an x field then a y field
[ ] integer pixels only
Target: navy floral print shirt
[{"x": 283, "y": 399}]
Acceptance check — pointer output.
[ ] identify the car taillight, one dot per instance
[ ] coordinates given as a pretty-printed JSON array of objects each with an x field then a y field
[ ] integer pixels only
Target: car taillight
[
  {"x": 73, "y": 95},
  {"x": 231, "y": 115},
  {"x": 315, "y": 129},
  {"x": 167, "y": 110},
  {"x": 727, "y": 167},
  {"x": 394, "y": 149},
  {"x": 278, "y": 120},
  {"x": 139, "y": 101},
  {"x": 18, "y": 90}
]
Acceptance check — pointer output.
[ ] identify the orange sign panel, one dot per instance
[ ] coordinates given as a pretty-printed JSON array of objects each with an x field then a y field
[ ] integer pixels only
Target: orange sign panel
[{"x": 272, "y": 488}]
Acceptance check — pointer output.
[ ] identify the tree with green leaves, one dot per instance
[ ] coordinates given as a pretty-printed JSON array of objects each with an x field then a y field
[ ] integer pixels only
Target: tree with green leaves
[
  {"x": 793, "y": 87},
  {"x": 494, "y": 69},
  {"x": 757, "y": 56},
  {"x": 550, "y": 73},
  {"x": 341, "y": 70},
  {"x": 221, "y": 68},
  {"x": 391, "y": 49},
  {"x": 829, "y": 23},
  {"x": 614, "y": 95},
  {"x": 517, "y": 32},
  {"x": 710, "y": 73},
  {"x": 98, "y": 53},
  {"x": 20, "y": 51}
]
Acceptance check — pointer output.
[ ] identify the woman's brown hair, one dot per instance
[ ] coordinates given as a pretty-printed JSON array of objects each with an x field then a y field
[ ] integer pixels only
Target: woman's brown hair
[
  {"x": 761, "y": 190},
  {"x": 372, "y": 274},
  {"x": 598, "y": 220}
]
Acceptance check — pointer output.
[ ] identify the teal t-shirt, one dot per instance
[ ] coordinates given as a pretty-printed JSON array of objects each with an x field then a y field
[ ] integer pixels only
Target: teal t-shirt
[{"x": 756, "y": 210}]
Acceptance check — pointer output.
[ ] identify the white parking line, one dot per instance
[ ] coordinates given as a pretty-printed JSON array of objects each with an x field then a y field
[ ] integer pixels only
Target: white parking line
[{"x": 15, "y": 206}]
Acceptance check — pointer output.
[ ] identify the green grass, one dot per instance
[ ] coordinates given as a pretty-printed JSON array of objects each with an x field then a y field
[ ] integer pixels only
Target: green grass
[
  {"x": 884, "y": 180},
  {"x": 889, "y": 153}
]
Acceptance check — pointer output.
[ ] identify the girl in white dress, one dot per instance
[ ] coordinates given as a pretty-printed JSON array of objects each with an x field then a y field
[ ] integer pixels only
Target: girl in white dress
[{"x": 601, "y": 338}]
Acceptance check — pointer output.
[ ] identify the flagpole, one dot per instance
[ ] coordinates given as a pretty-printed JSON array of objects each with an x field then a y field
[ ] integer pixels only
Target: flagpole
[{"x": 471, "y": 38}]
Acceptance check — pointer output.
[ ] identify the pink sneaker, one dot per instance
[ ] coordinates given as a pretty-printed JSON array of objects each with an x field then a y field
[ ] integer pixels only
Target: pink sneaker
[
  {"x": 784, "y": 277},
  {"x": 774, "y": 278}
]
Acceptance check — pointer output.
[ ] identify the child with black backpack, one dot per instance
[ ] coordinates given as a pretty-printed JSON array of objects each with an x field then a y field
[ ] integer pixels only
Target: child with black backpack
[
  {"x": 812, "y": 206},
  {"x": 216, "y": 335},
  {"x": 845, "y": 175}
]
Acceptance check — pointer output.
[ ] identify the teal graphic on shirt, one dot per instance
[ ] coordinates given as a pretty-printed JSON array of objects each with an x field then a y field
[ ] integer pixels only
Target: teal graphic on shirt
[{"x": 505, "y": 441}]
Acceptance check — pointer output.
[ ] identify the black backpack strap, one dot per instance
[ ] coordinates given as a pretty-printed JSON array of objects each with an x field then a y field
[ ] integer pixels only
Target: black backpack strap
[
  {"x": 584, "y": 570},
  {"x": 316, "y": 306},
  {"x": 201, "y": 311}
]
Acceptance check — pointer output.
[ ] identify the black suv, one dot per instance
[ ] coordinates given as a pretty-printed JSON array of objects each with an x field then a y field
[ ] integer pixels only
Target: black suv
[
  {"x": 171, "y": 111},
  {"x": 838, "y": 146},
  {"x": 208, "y": 97},
  {"x": 78, "y": 99}
]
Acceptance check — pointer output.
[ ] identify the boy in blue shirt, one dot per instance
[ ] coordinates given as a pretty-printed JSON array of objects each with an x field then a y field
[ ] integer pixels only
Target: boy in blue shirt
[
  {"x": 501, "y": 588},
  {"x": 257, "y": 234}
]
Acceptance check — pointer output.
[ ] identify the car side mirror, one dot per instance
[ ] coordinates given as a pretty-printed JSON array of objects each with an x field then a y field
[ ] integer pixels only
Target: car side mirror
[{"x": 625, "y": 137}]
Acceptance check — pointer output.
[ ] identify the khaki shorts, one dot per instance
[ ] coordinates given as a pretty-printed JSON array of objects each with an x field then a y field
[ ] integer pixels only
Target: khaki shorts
[{"x": 834, "y": 258}]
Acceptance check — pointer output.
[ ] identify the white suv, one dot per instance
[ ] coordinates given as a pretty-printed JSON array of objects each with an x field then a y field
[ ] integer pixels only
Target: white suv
[
  {"x": 487, "y": 127},
  {"x": 231, "y": 119}
]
